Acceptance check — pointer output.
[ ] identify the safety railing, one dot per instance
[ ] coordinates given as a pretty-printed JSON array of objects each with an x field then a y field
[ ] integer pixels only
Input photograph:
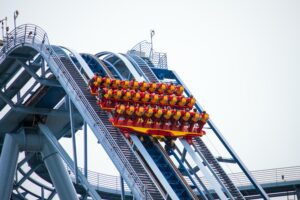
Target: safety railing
[
  {"x": 144, "y": 49},
  {"x": 274, "y": 176},
  {"x": 269, "y": 176},
  {"x": 30, "y": 34},
  {"x": 159, "y": 60}
]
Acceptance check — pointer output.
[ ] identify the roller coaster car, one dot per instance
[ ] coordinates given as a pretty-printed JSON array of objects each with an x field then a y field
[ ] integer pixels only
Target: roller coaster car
[
  {"x": 155, "y": 109},
  {"x": 158, "y": 122},
  {"x": 155, "y": 131}
]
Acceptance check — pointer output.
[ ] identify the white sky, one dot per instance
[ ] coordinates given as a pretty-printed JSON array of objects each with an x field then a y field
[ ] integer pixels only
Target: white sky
[{"x": 239, "y": 58}]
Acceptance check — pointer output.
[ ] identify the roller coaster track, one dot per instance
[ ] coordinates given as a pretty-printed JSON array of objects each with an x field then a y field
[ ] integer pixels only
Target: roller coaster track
[{"x": 72, "y": 73}]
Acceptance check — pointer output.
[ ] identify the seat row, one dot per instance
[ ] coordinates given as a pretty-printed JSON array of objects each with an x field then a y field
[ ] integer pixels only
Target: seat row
[
  {"x": 172, "y": 119},
  {"x": 110, "y": 97},
  {"x": 161, "y": 88}
]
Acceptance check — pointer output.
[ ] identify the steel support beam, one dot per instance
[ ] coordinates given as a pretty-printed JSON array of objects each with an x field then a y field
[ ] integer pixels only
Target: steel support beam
[
  {"x": 122, "y": 188},
  {"x": 43, "y": 81},
  {"x": 24, "y": 178},
  {"x": 225, "y": 160},
  {"x": 14, "y": 143},
  {"x": 58, "y": 173},
  {"x": 33, "y": 110},
  {"x": 154, "y": 167},
  {"x": 85, "y": 150},
  {"x": 64, "y": 155},
  {"x": 8, "y": 165},
  {"x": 212, "y": 181},
  {"x": 193, "y": 172},
  {"x": 171, "y": 152},
  {"x": 183, "y": 155},
  {"x": 73, "y": 140},
  {"x": 298, "y": 191}
]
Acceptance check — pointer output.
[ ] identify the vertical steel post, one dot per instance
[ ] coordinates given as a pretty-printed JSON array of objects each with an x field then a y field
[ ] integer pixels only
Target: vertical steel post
[
  {"x": 122, "y": 188},
  {"x": 298, "y": 192},
  {"x": 85, "y": 150},
  {"x": 42, "y": 195},
  {"x": 8, "y": 165},
  {"x": 15, "y": 17},
  {"x": 73, "y": 140},
  {"x": 34, "y": 34},
  {"x": 58, "y": 173},
  {"x": 2, "y": 27}
]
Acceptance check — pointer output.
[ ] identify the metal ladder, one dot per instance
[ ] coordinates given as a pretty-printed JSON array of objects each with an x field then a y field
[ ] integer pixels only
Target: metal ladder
[
  {"x": 214, "y": 164},
  {"x": 148, "y": 61},
  {"x": 145, "y": 68},
  {"x": 133, "y": 165}
]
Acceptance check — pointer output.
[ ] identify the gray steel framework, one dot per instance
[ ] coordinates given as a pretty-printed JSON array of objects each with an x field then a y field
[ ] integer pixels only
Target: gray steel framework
[{"x": 73, "y": 81}]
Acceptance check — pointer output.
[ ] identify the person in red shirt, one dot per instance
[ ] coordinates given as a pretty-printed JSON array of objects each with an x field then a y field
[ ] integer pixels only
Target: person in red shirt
[
  {"x": 144, "y": 86},
  {"x": 157, "y": 114},
  {"x": 153, "y": 87},
  {"x": 195, "y": 117},
  {"x": 129, "y": 114},
  {"x": 93, "y": 85},
  {"x": 125, "y": 84},
  {"x": 161, "y": 88},
  {"x": 119, "y": 112},
  {"x": 175, "y": 118},
  {"x": 115, "y": 83},
  {"x": 138, "y": 112},
  {"x": 145, "y": 96},
  {"x": 163, "y": 100},
  {"x": 171, "y": 88},
  {"x": 173, "y": 100},
  {"x": 185, "y": 116},
  {"x": 202, "y": 121},
  {"x": 148, "y": 115},
  {"x": 182, "y": 101},
  {"x": 191, "y": 101},
  {"x": 179, "y": 90},
  {"x": 166, "y": 118}
]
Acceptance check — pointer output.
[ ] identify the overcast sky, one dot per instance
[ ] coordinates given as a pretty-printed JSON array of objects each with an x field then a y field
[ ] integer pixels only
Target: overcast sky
[{"x": 239, "y": 58}]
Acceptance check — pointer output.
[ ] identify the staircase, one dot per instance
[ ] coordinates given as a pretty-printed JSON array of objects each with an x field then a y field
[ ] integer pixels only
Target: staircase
[
  {"x": 201, "y": 147},
  {"x": 145, "y": 68},
  {"x": 148, "y": 61}
]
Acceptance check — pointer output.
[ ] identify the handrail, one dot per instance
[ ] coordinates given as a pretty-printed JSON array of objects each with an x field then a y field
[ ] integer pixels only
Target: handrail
[
  {"x": 267, "y": 176},
  {"x": 144, "y": 49},
  {"x": 36, "y": 37}
]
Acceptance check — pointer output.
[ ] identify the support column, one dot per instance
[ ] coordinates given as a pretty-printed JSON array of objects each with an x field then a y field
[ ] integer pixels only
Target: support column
[
  {"x": 298, "y": 191},
  {"x": 8, "y": 165},
  {"x": 85, "y": 150},
  {"x": 122, "y": 188},
  {"x": 73, "y": 140},
  {"x": 58, "y": 173}
]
